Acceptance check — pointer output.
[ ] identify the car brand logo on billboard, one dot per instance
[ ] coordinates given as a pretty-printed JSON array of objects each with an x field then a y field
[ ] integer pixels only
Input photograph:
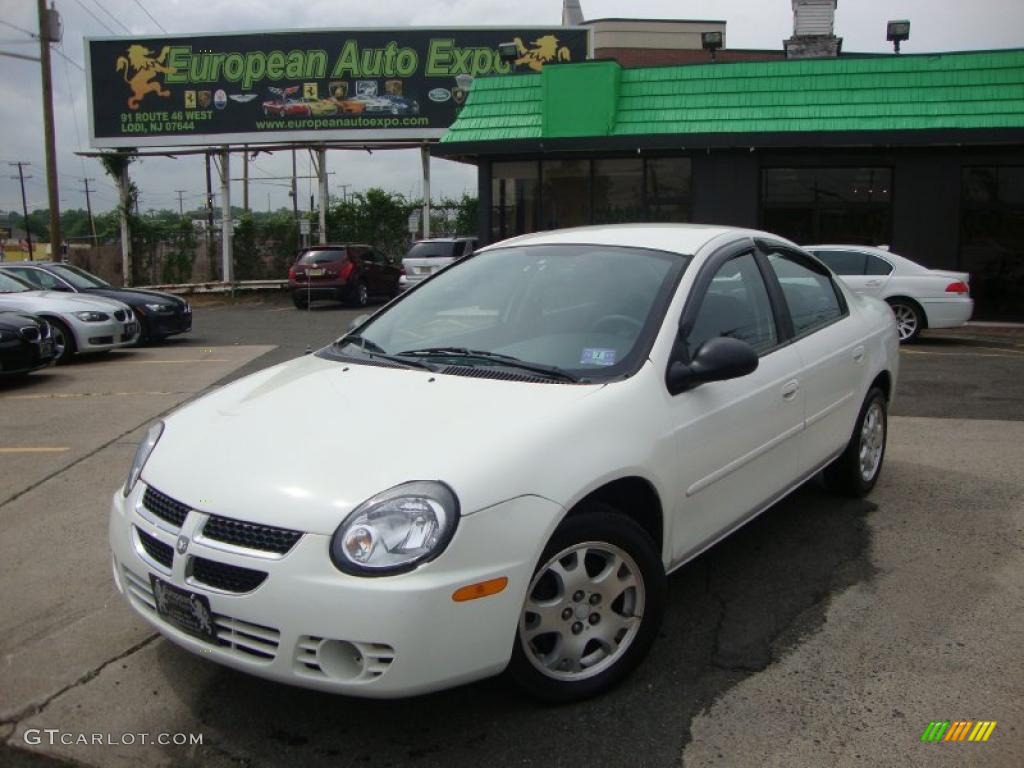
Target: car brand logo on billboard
[{"x": 286, "y": 86}]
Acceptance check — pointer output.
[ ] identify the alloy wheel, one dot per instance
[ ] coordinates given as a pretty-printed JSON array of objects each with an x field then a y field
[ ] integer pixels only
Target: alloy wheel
[
  {"x": 872, "y": 441},
  {"x": 906, "y": 321},
  {"x": 583, "y": 611}
]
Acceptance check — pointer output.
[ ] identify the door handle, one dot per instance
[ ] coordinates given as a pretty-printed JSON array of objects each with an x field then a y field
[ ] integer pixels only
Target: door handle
[
  {"x": 858, "y": 355},
  {"x": 873, "y": 283},
  {"x": 790, "y": 389}
]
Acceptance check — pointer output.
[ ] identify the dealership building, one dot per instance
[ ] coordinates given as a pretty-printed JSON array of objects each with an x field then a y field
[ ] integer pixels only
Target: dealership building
[{"x": 923, "y": 153}]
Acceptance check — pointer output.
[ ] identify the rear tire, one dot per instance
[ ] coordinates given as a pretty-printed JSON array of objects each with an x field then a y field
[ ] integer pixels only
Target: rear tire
[
  {"x": 300, "y": 301},
  {"x": 909, "y": 319},
  {"x": 592, "y": 609},
  {"x": 856, "y": 471},
  {"x": 63, "y": 341},
  {"x": 358, "y": 295}
]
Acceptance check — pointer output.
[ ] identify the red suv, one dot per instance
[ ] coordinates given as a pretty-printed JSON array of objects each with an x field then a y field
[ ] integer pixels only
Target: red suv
[{"x": 347, "y": 272}]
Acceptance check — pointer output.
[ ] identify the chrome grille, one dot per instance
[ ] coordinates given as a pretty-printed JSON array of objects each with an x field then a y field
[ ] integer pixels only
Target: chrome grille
[
  {"x": 164, "y": 507},
  {"x": 266, "y": 538}
]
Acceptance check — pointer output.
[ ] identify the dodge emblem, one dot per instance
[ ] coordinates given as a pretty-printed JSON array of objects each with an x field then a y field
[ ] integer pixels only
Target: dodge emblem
[{"x": 182, "y": 544}]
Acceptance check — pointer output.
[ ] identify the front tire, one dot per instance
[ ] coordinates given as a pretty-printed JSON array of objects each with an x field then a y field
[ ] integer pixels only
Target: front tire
[
  {"x": 592, "y": 609},
  {"x": 856, "y": 471},
  {"x": 909, "y": 319},
  {"x": 63, "y": 341}
]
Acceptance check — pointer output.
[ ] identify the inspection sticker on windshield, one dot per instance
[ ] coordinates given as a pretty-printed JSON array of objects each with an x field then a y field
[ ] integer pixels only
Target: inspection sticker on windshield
[{"x": 597, "y": 356}]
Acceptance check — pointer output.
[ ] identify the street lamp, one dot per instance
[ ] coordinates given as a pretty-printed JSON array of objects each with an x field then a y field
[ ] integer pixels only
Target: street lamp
[
  {"x": 711, "y": 41},
  {"x": 896, "y": 32}
]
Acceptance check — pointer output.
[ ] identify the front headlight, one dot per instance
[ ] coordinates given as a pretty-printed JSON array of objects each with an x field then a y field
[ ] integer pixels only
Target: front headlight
[
  {"x": 142, "y": 455},
  {"x": 161, "y": 309},
  {"x": 92, "y": 317},
  {"x": 396, "y": 530}
]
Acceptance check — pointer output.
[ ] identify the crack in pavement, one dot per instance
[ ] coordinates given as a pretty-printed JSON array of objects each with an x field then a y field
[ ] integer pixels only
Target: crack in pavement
[{"x": 35, "y": 709}]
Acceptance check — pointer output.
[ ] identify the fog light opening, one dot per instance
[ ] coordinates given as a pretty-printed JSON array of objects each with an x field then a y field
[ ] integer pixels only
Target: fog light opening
[{"x": 341, "y": 659}]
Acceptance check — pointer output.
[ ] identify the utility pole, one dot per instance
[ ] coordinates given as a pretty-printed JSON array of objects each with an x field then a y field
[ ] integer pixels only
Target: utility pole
[
  {"x": 88, "y": 208},
  {"x": 209, "y": 219},
  {"x": 24, "y": 204},
  {"x": 344, "y": 192},
  {"x": 49, "y": 28},
  {"x": 181, "y": 204},
  {"x": 245, "y": 181}
]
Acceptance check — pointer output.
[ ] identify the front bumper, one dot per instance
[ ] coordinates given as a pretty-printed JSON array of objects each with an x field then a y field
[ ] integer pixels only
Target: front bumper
[
  {"x": 159, "y": 325},
  {"x": 23, "y": 356},
  {"x": 99, "y": 337},
  {"x": 310, "y": 625}
]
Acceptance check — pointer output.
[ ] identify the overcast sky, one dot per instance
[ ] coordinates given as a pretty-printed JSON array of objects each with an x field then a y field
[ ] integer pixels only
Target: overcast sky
[{"x": 937, "y": 25}]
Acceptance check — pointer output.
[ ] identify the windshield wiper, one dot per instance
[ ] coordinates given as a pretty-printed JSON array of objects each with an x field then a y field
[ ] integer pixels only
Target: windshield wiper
[
  {"x": 494, "y": 358},
  {"x": 374, "y": 350}
]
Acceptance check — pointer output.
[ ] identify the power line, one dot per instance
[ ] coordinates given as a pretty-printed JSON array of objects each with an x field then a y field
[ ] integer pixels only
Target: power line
[
  {"x": 151, "y": 18},
  {"x": 95, "y": 17},
  {"x": 112, "y": 16},
  {"x": 19, "y": 29}
]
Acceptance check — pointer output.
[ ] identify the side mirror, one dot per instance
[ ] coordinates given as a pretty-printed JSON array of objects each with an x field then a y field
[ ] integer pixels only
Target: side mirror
[
  {"x": 717, "y": 359},
  {"x": 357, "y": 322}
]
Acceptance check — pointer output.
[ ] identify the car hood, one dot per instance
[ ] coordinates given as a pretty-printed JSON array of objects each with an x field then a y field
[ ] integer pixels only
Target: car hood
[
  {"x": 302, "y": 444},
  {"x": 57, "y": 301},
  {"x": 135, "y": 296}
]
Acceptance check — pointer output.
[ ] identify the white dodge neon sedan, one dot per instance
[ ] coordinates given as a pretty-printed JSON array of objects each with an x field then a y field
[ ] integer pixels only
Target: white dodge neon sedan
[
  {"x": 596, "y": 407},
  {"x": 920, "y": 297}
]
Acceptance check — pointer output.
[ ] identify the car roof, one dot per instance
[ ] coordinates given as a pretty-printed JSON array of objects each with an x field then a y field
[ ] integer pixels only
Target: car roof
[
  {"x": 334, "y": 246},
  {"x": 456, "y": 239},
  {"x": 900, "y": 262},
  {"x": 686, "y": 239}
]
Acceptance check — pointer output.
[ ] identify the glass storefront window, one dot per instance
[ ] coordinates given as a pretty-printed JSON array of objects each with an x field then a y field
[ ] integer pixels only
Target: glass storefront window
[
  {"x": 828, "y": 205},
  {"x": 992, "y": 239},
  {"x": 565, "y": 193},
  {"x": 514, "y": 188},
  {"x": 668, "y": 189},
  {"x": 618, "y": 190}
]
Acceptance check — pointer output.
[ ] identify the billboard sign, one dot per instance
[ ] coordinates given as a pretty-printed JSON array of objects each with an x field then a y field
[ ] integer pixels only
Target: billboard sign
[{"x": 406, "y": 84}]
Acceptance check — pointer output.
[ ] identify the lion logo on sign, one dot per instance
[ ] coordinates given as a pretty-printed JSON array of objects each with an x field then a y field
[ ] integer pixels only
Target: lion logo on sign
[
  {"x": 140, "y": 59},
  {"x": 545, "y": 50}
]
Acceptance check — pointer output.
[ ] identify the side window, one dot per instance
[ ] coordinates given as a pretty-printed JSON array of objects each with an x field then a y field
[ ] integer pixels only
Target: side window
[
  {"x": 370, "y": 256},
  {"x": 843, "y": 262},
  {"x": 735, "y": 305},
  {"x": 39, "y": 279},
  {"x": 877, "y": 266},
  {"x": 812, "y": 297}
]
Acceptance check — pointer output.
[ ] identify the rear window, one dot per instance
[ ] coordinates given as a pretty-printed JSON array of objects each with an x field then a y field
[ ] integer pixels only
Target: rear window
[
  {"x": 843, "y": 262},
  {"x": 321, "y": 256},
  {"x": 434, "y": 251}
]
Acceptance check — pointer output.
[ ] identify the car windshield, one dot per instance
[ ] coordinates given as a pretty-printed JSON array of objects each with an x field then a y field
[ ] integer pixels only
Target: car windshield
[
  {"x": 432, "y": 250},
  {"x": 79, "y": 278},
  {"x": 321, "y": 256},
  {"x": 10, "y": 284},
  {"x": 581, "y": 311}
]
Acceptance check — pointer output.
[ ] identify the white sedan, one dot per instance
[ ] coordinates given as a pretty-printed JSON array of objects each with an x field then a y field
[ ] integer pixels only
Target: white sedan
[
  {"x": 597, "y": 406},
  {"x": 80, "y": 324},
  {"x": 920, "y": 297}
]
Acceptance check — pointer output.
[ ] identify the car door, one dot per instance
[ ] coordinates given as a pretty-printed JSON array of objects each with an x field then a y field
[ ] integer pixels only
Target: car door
[
  {"x": 736, "y": 439},
  {"x": 372, "y": 265},
  {"x": 830, "y": 345}
]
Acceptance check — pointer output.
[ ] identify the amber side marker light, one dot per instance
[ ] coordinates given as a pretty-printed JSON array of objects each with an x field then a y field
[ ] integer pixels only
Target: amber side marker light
[{"x": 480, "y": 589}]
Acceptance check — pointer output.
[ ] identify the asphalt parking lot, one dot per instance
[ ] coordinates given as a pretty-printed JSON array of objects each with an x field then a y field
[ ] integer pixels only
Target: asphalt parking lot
[{"x": 827, "y": 632}]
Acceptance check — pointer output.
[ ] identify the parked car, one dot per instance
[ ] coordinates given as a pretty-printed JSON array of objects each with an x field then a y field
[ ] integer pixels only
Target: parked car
[
  {"x": 593, "y": 408},
  {"x": 920, "y": 297},
  {"x": 347, "y": 272},
  {"x": 25, "y": 343},
  {"x": 432, "y": 255},
  {"x": 79, "y": 324},
  {"x": 159, "y": 314}
]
